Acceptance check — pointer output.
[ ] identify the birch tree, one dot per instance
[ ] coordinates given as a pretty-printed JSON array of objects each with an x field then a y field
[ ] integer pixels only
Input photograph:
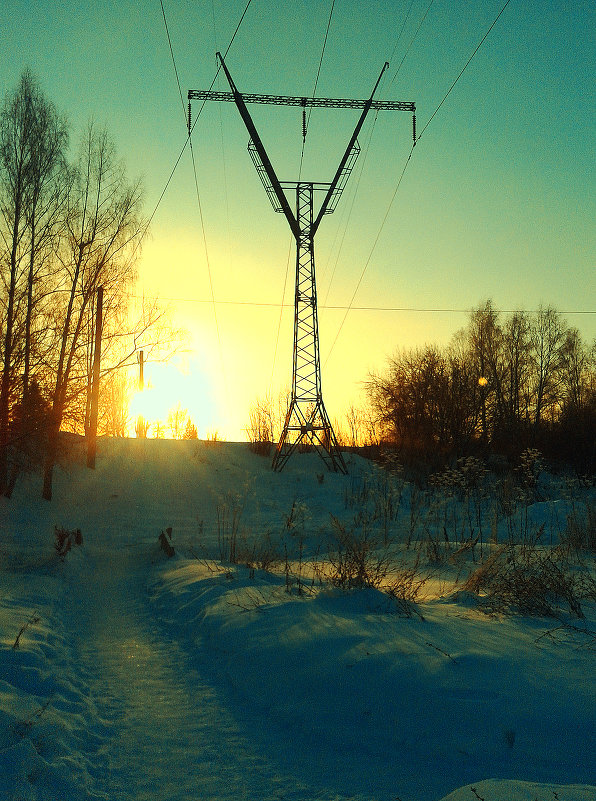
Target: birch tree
[
  {"x": 548, "y": 336},
  {"x": 103, "y": 225},
  {"x": 32, "y": 142}
]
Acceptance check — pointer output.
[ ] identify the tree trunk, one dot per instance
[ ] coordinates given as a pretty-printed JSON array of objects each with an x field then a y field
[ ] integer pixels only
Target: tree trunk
[
  {"x": 5, "y": 385},
  {"x": 92, "y": 442},
  {"x": 51, "y": 453}
]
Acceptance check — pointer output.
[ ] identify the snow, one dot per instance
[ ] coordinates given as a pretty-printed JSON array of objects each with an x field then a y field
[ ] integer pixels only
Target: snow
[{"x": 142, "y": 677}]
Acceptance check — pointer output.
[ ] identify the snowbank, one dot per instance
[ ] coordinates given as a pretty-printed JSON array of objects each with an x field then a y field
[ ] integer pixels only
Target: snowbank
[{"x": 327, "y": 695}]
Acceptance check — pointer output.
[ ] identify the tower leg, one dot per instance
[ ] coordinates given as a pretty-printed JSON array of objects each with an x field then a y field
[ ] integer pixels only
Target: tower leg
[{"x": 307, "y": 423}]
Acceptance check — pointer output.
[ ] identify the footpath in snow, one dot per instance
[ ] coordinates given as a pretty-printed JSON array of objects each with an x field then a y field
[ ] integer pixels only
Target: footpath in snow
[{"x": 142, "y": 677}]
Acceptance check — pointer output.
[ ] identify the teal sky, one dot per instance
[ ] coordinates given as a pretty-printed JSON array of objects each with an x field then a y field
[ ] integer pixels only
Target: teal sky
[{"x": 497, "y": 201}]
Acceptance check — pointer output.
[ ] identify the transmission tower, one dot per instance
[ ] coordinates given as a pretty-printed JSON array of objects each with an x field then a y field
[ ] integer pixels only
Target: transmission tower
[{"x": 307, "y": 421}]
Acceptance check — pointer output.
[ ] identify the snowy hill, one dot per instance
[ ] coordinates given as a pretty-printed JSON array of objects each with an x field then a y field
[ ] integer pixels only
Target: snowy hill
[{"x": 125, "y": 674}]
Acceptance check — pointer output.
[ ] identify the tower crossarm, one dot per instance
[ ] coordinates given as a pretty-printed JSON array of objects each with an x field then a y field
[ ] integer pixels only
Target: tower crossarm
[
  {"x": 305, "y": 102},
  {"x": 350, "y": 154},
  {"x": 263, "y": 164},
  {"x": 259, "y": 155}
]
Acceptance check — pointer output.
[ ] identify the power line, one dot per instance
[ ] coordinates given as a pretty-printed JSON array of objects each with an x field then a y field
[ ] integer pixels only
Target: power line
[
  {"x": 194, "y": 166},
  {"x": 420, "y": 24},
  {"x": 367, "y": 262},
  {"x": 480, "y": 43},
  {"x": 174, "y": 168},
  {"x": 409, "y": 159},
  {"x": 402, "y": 30},
  {"x": 165, "y": 22},
  {"x": 306, "y": 123},
  {"x": 200, "y": 207},
  {"x": 237, "y": 27},
  {"x": 189, "y": 142},
  {"x": 314, "y": 91},
  {"x": 339, "y": 307},
  {"x": 282, "y": 306},
  {"x": 351, "y": 208}
]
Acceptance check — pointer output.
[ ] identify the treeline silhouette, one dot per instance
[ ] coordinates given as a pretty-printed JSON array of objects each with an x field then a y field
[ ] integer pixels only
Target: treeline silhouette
[
  {"x": 505, "y": 383},
  {"x": 68, "y": 226}
]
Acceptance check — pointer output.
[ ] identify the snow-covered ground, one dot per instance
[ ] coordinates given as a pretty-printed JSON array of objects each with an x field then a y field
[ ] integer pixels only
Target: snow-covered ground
[{"x": 138, "y": 676}]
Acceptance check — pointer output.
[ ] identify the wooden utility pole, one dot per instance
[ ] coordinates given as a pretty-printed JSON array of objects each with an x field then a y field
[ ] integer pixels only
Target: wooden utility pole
[
  {"x": 141, "y": 426},
  {"x": 92, "y": 437}
]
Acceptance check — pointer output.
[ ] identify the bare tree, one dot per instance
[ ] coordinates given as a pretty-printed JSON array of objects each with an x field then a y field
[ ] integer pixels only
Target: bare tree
[
  {"x": 261, "y": 426},
  {"x": 354, "y": 423},
  {"x": 516, "y": 345},
  {"x": 16, "y": 153},
  {"x": 32, "y": 143},
  {"x": 266, "y": 419},
  {"x": 127, "y": 329},
  {"x": 115, "y": 401},
  {"x": 412, "y": 399},
  {"x": 577, "y": 370},
  {"x": 497, "y": 384},
  {"x": 486, "y": 339},
  {"x": 177, "y": 421},
  {"x": 548, "y": 337},
  {"x": 190, "y": 430},
  {"x": 102, "y": 227}
]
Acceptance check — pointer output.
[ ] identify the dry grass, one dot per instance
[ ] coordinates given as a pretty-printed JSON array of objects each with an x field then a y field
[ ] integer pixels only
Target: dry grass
[
  {"x": 533, "y": 580},
  {"x": 580, "y": 531}
]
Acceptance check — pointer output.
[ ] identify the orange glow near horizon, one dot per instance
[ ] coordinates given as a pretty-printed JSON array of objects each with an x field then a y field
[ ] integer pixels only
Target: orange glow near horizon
[{"x": 175, "y": 386}]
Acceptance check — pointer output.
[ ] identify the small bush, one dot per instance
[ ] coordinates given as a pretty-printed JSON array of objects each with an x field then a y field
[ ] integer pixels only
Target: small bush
[
  {"x": 260, "y": 426},
  {"x": 530, "y": 468},
  {"x": 229, "y": 513},
  {"x": 263, "y": 553},
  {"x": 354, "y": 561},
  {"x": 165, "y": 542},
  {"x": 405, "y": 586},
  {"x": 580, "y": 532},
  {"x": 531, "y": 580},
  {"x": 65, "y": 539}
]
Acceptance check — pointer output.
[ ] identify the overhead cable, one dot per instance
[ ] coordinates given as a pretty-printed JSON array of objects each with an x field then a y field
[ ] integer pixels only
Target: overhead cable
[
  {"x": 412, "y": 40},
  {"x": 338, "y": 307},
  {"x": 402, "y": 30},
  {"x": 314, "y": 91},
  {"x": 367, "y": 262},
  {"x": 165, "y": 22},
  {"x": 407, "y": 163},
  {"x": 305, "y": 124},
  {"x": 200, "y": 207},
  {"x": 184, "y": 146},
  {"x": 480, "y": 43}
]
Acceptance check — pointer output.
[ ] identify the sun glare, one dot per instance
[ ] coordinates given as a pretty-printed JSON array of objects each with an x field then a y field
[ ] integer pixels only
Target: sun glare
[
  {"x": 171, "y": 388},
  {"x": 146, "y": 403}
]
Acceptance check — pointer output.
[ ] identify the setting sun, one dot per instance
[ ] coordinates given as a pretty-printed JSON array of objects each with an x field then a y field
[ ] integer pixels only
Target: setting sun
[{"x": 170, "y": 388}]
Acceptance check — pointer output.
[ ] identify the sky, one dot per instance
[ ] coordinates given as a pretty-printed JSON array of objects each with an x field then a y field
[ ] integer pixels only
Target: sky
[{"x": 497, "y": 200}]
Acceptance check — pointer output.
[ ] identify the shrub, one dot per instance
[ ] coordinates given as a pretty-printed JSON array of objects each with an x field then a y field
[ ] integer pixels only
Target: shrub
[
  {"x": 263, "y": 553},
  {"x": 190, "y": 430},
  {"x": 580, "y": 532},
  {"x": 260, "y": 426},
  {"x": 531, "y": 580},
  {"x": 165, "y": 542},
  {"x": 354, "y": 561},
  {"x": 405, "y": 585},
  {"x": 65, "y": 539},
  {"x": 229, "y": 512}
]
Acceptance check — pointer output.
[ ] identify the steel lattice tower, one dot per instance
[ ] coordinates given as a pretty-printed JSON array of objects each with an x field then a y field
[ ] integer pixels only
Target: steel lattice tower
[
  {"x": 307, "y": 417},
  {"x": 307, "y": 422}
]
